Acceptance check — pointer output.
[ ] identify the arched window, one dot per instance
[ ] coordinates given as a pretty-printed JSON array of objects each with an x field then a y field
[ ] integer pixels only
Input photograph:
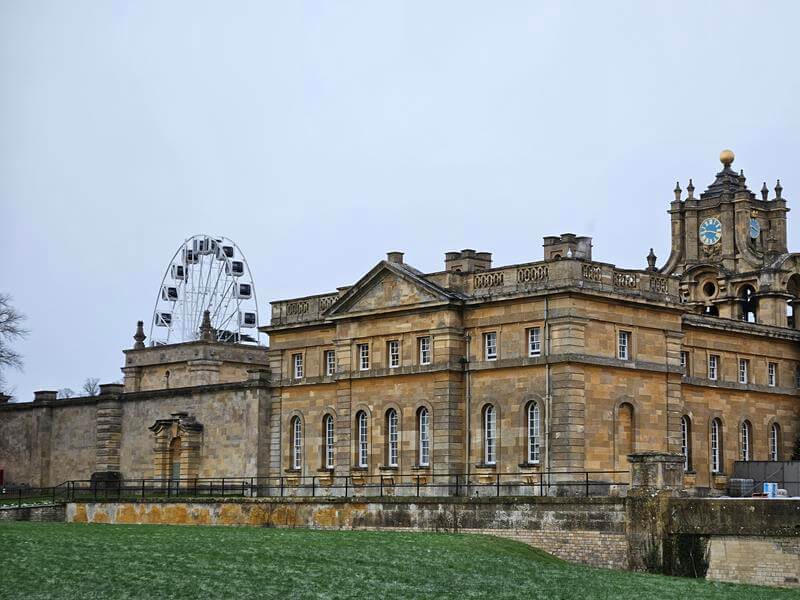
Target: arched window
[
  {"x": 363, "y": 444},
  {"x": 424, "y": 437},
  {"x": 533, "y": 433},
  {"x": 625, "y": 434},
  {"x": 328, "y": 445},
  {"x": 489, "y": 435},
  {"x": 686, "y": 442},
  {"x": 392, "y": 439},
  {"x": 746, "y": 441},
  {"x": 297, "y": 443},
  {"x": 748, "y": 303},
  {"x": 775, "y": 442},
  {"x": 716, "y": 446}
]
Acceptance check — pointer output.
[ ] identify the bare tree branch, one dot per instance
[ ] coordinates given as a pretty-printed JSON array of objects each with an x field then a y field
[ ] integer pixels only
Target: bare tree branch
[
  {"x": 10, "y": 330},
  {"x": 91, "y": 387},
  {"x": 66, "y": 393}
]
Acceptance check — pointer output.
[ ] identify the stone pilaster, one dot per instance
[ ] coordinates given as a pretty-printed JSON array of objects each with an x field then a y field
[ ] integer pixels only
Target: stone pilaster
[
  {"x": 344, "y": 427},
  {"x": 109, "y": 434},
  {"x": 568, "y": 392},
  {"x": 274, "y": 423},
  {"x": 449, "y": 404},
  {"x": 675, "y": 406}
]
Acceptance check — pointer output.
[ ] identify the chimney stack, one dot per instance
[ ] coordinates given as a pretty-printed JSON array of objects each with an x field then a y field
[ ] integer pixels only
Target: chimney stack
[
  {"x": 395, "y": 257},
  {"x": 467, "y": 261}
]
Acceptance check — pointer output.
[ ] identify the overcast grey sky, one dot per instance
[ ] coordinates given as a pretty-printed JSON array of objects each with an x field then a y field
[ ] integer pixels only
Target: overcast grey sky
[{"x": 319, "y": 135}]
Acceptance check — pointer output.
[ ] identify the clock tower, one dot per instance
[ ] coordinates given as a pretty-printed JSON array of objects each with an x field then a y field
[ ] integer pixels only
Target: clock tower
[{"x": 729, "y": 248}]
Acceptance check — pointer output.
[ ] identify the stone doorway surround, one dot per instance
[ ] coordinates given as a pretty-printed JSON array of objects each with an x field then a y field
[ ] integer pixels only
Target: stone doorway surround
[{"x": 185, "y": 428}]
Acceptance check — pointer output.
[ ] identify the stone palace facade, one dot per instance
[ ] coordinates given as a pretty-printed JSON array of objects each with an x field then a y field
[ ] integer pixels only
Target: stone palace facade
[{"x": 562, "y": 364}]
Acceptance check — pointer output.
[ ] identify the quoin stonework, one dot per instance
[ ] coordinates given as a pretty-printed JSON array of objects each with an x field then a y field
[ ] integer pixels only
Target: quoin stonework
[{"x": 562, "y": 364}]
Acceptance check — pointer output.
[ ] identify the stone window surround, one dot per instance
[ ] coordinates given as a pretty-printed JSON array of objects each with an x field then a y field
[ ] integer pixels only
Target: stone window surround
[
  {"x": 362, "y": 355},
  {"x": 394, "y": 359},
  {"x": 424, "y": 355},
  {"x": 772, "y": 374},
  {"x": 298, "y": 365},
  {"x": 529, "y": 329},
  {"x": 745, "y": 440},
  {"x": 743, "y": 370},
  {"x": 631, "y": 331},
  {"x": 715, "y": 368},
  {"x": 720, "y": 444},
  {"x": 491, "y": 345},
  {"x": 329, "y": 366}
]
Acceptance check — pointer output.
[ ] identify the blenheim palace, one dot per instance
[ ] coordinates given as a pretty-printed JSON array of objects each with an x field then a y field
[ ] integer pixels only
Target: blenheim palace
[{"x": 563, "y": 364}]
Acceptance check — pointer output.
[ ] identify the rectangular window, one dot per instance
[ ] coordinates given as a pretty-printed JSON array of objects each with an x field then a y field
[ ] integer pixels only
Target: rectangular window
[
  {"x": 685, "y": 361},
  {"x": 394, "y": 354},
  {"x": 744, "y": 368},
  {"x": 363, "y": 357},
  {"x": 772, "y": 374},
  {"x": 713, "y": 366},
  {"x": 490, "y": 345},
  {"x": 624, "y": 345},
  {"x": 330, "y": 362},
  {"x": 534, "y": 342},
  {"x": 425, "y": 350},
  {"x": 297, "y": 362}
]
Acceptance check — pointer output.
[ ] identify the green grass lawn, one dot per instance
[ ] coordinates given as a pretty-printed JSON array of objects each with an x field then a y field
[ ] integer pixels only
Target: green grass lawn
[{"x": 44, "y": 560}]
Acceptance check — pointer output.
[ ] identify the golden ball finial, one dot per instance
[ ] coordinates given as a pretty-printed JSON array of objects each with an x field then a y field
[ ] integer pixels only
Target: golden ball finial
[{"x": 726, "y": 157}]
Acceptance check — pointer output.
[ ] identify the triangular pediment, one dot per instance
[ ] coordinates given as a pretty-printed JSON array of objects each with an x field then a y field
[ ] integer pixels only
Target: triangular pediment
[{"x": 389, "y": 287}]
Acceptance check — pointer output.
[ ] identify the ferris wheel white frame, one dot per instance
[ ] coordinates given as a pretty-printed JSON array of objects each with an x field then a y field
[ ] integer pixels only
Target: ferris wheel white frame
[{"x": 176, "y": 284}]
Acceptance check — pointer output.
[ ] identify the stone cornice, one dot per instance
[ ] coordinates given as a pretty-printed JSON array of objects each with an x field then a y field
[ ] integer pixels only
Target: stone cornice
[{"x": 740, "y": 327}]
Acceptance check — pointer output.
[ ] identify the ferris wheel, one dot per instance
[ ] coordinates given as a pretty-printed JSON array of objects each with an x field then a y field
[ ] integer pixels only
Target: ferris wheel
[{"x": 206, "y": 273}]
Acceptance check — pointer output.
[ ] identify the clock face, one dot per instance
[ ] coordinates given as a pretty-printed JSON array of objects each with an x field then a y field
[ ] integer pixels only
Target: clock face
[
  {"x": 710, "y": 231},
  {"x": 755, "y": 228}
]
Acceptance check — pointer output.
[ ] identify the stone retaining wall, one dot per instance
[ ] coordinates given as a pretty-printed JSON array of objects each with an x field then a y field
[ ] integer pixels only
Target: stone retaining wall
[
  {"x": 589, "y": 531},
  {"x": 758, "y": 560},
  {"x": 51, "y": 513}
]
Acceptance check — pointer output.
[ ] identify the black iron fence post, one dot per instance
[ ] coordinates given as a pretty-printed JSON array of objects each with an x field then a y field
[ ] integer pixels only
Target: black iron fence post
[
  {"x": 346, "y": 482},
  {"x": 313, "y": 486},
  {"x": 587, "y": 484},
  {"x": 417, "y": 486},
  {"x": 223, "y": 486},
  {"x": 281, "y": 487}
]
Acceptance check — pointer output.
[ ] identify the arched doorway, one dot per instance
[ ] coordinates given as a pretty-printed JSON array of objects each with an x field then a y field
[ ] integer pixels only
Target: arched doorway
[
  {"x": 175, "y": 458},
  {"x": 625, "y": 434}
]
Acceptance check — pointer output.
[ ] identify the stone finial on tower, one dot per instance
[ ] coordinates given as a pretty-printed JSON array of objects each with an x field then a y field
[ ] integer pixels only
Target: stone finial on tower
[
  {"x": 726, "y": 158},
  {"x": 206, "y": 331},
  {"x": 742, "y": 180},
  {"x": 139, "y": 337},
  {"x": 677, "y": 191},
  {"x": 651, "y": 261},
  {"x": 764, "y": 192},
  {"x": 778, "y": 190},
  {"x": 690, "y": 189}
]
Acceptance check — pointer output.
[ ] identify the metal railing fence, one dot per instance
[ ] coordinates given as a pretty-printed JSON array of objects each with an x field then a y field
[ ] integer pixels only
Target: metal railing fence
[{"x": 561, "y": 483}]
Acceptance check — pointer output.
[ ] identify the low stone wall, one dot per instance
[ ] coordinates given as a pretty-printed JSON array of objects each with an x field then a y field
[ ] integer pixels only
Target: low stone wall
[
  {"x": 51, "y": 513},
  {"x": 583, "y": 530},
  {"x": 759, "y": 560},
  {"x": 753, "y": 541}
]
